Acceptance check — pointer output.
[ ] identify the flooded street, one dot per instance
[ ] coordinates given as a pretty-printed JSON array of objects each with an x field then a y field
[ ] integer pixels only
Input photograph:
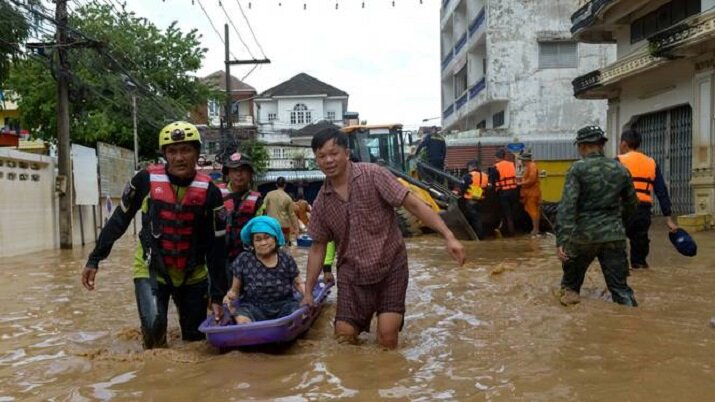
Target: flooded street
[{"x": 491, "y": 330}]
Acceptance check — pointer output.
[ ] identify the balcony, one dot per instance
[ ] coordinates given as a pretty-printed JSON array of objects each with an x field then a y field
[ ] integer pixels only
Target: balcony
[
  {"x": 477, "y": 88},
  {"x": 461, "y": 100},
  {"x": 477, "y": 22},
  {"x": 687, "y": 40},
  {"x": 290, "y": 163},
  {"x": 448, "y": 112},
  {"x": 243, "y": 120},
  {"x": 460, "y": 44},
  {"x": 447, "y": 59},
  {"x": 588, "y": 14}
]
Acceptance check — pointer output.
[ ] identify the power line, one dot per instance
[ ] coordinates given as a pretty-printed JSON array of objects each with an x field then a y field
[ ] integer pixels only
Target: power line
[
  {"x": 208, "y": 17},
  {"x": 240, "y": 38},
  {"x": 251, "y": 29}
]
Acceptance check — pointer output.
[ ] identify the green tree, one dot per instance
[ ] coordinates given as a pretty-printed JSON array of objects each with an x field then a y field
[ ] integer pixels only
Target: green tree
[
  {"x": 258, "y": 153},
  {"x": 130, "y": 56},
  {"x": 14, "y": 29}
]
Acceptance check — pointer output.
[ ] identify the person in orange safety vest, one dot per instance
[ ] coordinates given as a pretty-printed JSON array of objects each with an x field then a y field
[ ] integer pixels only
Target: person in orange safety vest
[
  {"x": 504, "y": 180},
  {"x": 647, "y": 179}
]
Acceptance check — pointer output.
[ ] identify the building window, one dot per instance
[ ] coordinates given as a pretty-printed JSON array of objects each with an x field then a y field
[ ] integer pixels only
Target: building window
[
  {"x": 498, "y": 119},
  {"x": 560, "y": 54},
  {"x": 300, "y": 114},
  {"x": 272, "y": 117},
  {"x": 331, "y": 116},
  {"x": 662, "y": 18},
  {"x": 214, "y": 108},
  {"x": 277, "y": 153},
  {"x": 460, "y": 82}
]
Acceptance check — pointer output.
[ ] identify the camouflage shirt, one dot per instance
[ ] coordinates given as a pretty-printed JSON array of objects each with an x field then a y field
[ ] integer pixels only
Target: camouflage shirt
[{"x": 598, "y": 197}]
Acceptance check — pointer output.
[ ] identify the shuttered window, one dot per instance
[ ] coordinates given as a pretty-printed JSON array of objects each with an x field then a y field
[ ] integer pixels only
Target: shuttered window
[{"x": 558, "y": 55}]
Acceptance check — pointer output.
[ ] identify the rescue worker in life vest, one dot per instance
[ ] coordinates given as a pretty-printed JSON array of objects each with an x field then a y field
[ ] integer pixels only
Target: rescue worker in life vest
[
  {"x": 474, "y": 185},
  {"x": 646, "y": 179},
  {"x": 504, "y": 179},
  {"x": 181, "y": 242},
  {"x": 241, "y": 203}
]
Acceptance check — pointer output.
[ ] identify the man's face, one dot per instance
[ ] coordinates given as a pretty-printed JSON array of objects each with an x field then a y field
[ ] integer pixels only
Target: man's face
[
  {"x": 182, "y": 158},
  {"x": 332, "y": 159},
  {"x": 623, "y": 147},
  {"x": 240, "y": 178}
]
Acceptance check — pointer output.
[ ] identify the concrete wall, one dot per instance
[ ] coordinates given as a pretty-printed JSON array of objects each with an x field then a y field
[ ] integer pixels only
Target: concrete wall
[
  {"x": 27, "y": 203},
  {"x": 540, "y": 100}
]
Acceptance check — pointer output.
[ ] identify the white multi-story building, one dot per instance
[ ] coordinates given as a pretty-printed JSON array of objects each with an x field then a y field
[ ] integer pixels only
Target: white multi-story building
[
  {"x": 661, "y": 84},
  {"x": 507, "y": 67},
  {"x": 296, "y": 103}
]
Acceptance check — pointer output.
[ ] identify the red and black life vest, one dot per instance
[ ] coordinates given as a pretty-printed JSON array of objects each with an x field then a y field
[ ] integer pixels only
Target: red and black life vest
[
  {"x": 175, "y": 223},
  {"x": 236, "y": 218}
]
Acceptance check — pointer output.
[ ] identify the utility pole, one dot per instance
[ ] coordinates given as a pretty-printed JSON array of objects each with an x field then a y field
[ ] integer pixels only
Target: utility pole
[
  {"x": 63, "y": 127},
  {"x": 226, "y": 137}
]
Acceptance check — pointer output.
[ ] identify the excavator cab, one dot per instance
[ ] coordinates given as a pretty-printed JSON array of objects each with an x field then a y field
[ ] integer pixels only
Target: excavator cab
[{"x": 385, "y": 145}]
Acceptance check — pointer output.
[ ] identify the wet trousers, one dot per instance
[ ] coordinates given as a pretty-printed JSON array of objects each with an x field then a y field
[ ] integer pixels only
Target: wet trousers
[
  {"x": 191, "y": 303},
  {"x": 509, "y": 202},
  {"x": 614, "y": 264},
  {"x": 637, "y": 232},
  {"x": 471, "y": 210}
]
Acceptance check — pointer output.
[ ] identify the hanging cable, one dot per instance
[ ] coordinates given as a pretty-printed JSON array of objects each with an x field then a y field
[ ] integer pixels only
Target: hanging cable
[
  {"x": 248, "y": 23},
  {"x": 208, "y": 17},
  {"x": 240, "y": 38}
]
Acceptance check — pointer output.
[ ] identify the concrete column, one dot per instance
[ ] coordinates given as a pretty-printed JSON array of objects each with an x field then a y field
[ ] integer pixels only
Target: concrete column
[
  {"x": 613, "y": 126},
  {"x": 703, "y": 178}
]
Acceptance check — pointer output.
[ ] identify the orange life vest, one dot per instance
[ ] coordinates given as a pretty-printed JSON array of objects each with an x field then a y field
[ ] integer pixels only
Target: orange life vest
[
  {"x": 507, "y": 175},
  {"x": 236, "y": 218},
  {"x": 642, "y": 169},
  {"x": 175, "y": 223},
  {"x": 480, "y": 181}
]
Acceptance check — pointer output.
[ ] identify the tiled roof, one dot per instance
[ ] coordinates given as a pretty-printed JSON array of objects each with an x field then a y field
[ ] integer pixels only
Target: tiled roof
[
  {"x": 302, "y": 84},
  {"x": 218, "y": 80}
]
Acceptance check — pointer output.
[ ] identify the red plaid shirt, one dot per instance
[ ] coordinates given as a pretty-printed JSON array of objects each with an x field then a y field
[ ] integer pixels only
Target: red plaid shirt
[{"x": 364, "y": 228}]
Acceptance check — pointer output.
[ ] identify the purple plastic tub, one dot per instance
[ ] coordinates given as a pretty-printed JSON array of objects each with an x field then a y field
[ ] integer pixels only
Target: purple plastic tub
[{"x": 284, "y": 329}]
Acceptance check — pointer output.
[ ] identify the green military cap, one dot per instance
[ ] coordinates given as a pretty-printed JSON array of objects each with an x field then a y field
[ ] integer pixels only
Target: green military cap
[{"x": 590, "y": 134}]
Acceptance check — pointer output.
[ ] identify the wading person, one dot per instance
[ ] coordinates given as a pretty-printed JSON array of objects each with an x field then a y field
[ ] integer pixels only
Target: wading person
[
  {"x": 474, "y": 185},
  {"x": 241, "y": 203},
  {"x": 355, "y": 208},
  {"x": 181, "y": 240},
  {"x": 598, "y": 197},
  {"x": 279, "y": 205},
  {"x": 263, "y": 279},
  {"x": 646, "y": 180},
  {"x": 531, "y": 191},
  {"x": 507, "y": 191}
]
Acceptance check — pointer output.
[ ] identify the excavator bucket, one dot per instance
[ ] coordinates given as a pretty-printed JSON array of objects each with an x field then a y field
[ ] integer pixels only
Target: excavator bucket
[{"x": 455, "y": 220}]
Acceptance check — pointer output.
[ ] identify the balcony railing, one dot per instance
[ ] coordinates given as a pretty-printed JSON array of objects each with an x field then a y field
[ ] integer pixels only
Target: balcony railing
[
  {"x": 447, "y": 59},
  {"x": 460, "y": 43},
  {"x": 290, "y": 163},
  {"x": 586, "y": 15},
  {"x": 448, "y": 112},
  {"x": 462, "y": 100},
  {"x": 477, "y": 22},
  {"x": 477, "y": 88},
  {"x": 243, "y": 120},
  {"x": 586, "y": 82}
]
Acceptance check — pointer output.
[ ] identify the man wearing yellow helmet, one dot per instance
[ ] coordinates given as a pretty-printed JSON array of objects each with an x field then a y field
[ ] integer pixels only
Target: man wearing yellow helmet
[{"x": 181, "y": 241}]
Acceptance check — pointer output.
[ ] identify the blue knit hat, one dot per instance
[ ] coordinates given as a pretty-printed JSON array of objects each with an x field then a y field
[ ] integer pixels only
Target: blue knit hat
[{"x": 263, "y": 224}]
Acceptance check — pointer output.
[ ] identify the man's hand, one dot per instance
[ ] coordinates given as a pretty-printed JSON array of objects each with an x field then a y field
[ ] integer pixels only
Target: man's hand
[
  {"x": 328, "y": 277},
  {"x": 88, "y": 277},
  {"x": 308, "y": 300},
  {"x": 561, "y": 254},
  {"x": 455, "y": 249},
  {"x": 672, "y": 226}
]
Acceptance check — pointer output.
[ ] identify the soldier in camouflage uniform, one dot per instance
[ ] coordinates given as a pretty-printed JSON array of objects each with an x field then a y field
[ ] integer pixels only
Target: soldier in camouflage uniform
[{"x": 598, "y": 197}]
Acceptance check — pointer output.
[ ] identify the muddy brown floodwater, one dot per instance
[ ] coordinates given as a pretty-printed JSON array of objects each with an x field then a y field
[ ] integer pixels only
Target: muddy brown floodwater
[{"x": 491, "y": 330}]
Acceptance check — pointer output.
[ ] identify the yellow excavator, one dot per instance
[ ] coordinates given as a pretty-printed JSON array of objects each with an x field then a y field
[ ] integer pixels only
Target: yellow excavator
[{"x": 385, "y": 145}]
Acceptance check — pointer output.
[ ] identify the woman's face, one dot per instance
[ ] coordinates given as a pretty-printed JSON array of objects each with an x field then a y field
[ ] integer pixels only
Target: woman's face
[{"x": 264, "y": 244}]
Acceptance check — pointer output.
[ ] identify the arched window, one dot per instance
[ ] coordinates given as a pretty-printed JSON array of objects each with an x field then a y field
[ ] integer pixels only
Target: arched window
[{"x": 300, "y": 114}]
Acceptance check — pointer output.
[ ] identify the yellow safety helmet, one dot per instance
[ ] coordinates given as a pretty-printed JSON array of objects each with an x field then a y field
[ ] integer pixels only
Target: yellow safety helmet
[{"x": 178, "y": 131}]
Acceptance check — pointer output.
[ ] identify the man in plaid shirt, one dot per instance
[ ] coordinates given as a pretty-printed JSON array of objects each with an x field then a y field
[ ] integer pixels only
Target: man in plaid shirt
[{"x": 355, "y": 208}]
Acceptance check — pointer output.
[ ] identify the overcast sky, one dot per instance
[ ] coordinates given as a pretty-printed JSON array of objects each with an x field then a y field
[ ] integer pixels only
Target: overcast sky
[{"x": 386, "y": 58}]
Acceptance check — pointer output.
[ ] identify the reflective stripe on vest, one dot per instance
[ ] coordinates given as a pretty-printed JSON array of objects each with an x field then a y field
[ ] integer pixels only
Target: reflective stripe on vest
[
  {"x": 476, "y": 189},
  {"x": 642, "y": 169},
  {"x": 507, "y": 175},
  {"x": 176, "y": 221}
]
